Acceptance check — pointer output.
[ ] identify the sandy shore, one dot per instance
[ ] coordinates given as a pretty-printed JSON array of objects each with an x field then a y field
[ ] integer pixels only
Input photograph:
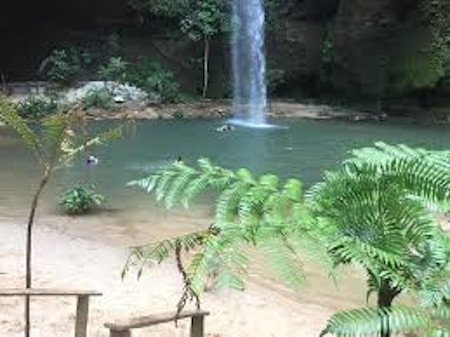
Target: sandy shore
[{"x": 65, "y": 259}]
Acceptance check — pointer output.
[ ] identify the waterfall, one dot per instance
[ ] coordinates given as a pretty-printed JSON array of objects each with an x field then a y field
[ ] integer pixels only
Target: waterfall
[{"x": 249, "y": 63}]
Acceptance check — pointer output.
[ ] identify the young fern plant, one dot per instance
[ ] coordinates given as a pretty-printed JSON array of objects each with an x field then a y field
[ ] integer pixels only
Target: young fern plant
[
  {"x": 249, "y": 211},
  {"x": 431, "y": 318},
  {"x": 381, "y": 203},
  {"x": 53, "y": 146},
  {"x": 81, "y": 200}
]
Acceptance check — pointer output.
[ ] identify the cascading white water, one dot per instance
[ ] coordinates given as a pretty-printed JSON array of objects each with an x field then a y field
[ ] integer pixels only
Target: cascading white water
[{"x": 249, "y": 63}]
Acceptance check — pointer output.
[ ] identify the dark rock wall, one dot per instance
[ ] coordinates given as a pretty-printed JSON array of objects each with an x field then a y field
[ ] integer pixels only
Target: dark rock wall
[{"x": 381, "y": 48}]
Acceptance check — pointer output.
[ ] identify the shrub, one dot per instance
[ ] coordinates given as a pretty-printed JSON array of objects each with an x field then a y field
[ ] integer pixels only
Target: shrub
[
  {"x": 151, "y": 77},
  {"x": 114, "y": 70},
  {"x": 81, "y": 200},
  {"x": 37, "y": 106},
  {"x": 98, "y": 98},
  {"x": 62, "y": 66}
]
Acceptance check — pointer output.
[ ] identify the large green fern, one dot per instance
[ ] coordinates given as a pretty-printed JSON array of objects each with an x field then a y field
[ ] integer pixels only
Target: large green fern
[
  {"x": 381, "y": 203},
  {"x": 372, "y": 322},
  {"x": 378, "y": 202},
  {"x": 249, "y": 211},
  {"x": 374, "y": 211}
]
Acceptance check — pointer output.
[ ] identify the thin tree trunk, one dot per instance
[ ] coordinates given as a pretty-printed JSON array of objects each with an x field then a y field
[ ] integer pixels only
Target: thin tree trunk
[
  {"x": 206, "y": 68},
  {"x": 4, "y": 87},
  {"x": 386, "y": 295},
  {"x": 29, "y": 247}
]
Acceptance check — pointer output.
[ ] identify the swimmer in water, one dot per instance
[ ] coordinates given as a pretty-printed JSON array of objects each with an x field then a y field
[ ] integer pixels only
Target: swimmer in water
[
  {"x": 91, "y": 161},
  {"x": 224, "y": 128}
]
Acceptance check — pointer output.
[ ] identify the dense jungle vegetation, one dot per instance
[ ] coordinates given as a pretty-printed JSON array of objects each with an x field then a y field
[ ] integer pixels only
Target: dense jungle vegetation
[{"x": 390, "y": 55}]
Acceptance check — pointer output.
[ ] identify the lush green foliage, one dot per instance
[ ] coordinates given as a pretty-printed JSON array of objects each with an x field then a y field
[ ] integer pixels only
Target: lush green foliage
[
  {"x": 81, "y": 200},
  {"x": 151, "y": 77},
  {"x": 172, "y": 8},
  {"x": 61, "y": 67},
  {"x": 378, "y": 204},
  {"x": 98, "y": 98},
  {"x": 198, "y": 19},
  {"x": 114, "y": 70},
  {"x": 259, "y": 212},
  {"x": 204, "y": 19},
  {"x": 37, "y": 106},
  {"x": 373, "y": 212},
  {"x": 397, "y": 320}
]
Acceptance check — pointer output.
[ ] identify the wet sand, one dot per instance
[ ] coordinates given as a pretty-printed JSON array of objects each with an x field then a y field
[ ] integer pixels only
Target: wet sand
[{"x": 70, "y": 255}]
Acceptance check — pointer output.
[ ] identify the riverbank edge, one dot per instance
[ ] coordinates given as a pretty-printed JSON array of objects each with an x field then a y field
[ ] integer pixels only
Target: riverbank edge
[{"x": 220, "y": 109}]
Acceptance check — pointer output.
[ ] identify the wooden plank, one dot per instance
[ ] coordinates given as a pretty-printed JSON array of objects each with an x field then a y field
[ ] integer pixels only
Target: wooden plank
[
  {"x": 48, "y": 292},
  {"x": 125, "y": 333},
  {"x": 81, "y": 318},
  {"x": 197, "y": 326},
  {"x": 145, "y": 321}
]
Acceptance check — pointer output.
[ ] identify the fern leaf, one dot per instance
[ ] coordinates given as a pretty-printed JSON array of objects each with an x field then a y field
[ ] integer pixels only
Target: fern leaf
[
  {"x": 374, "y": 321},
  {"x": 12, "y": 119},
  {"x": 285, "y": 263}
]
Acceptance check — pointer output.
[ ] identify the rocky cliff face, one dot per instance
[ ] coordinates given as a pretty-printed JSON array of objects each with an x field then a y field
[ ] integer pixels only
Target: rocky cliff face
[
  {"x": 386, "y": 47},
  {"x": 376, "y": 48},
  {"x": 363, "y": 36}
]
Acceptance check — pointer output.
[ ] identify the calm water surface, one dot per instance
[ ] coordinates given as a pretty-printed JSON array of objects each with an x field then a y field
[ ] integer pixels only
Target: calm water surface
[{"x": 304, "y": 149}]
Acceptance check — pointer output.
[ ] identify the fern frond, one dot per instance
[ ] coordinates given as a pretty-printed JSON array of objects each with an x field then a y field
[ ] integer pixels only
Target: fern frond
[
  {"x": 181, "y": 183},
  {"x": 374, "y": 321},
  {"x": 283, "y": 261},
  {"x": 178, "y": 185},
  {"x": 11, "y": 118},
  {"x": 395, "y": 320},
  {"x": 424, "y": 173},
  {"x": 222, "y": 258},
  {"x": 70, "y": 150},
  {"x": 373, "y": 203},
  {"x": 57, "y": 136},
  {"x": 143, "y": 257},
  {"x": 228, "y": 202}
]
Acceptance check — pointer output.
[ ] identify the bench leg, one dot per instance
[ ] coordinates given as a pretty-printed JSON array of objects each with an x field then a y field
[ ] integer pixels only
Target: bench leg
[
  {"x": 115, "y": 333},
  {"x": 197, "y": 327},
  {"x": 81, "y": 318}
]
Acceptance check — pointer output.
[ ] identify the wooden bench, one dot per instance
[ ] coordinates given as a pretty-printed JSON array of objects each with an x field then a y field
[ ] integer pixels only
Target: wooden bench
[
  {"x": 81, "y": 318},
  {"x": 123, "y": 328}
]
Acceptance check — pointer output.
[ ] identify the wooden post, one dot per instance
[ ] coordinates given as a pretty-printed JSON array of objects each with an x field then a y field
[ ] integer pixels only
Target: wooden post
[
  {"x": 81, "y": 318},
  {"x": 197, "y": 327},
  {"x": 120, "y": 333}
]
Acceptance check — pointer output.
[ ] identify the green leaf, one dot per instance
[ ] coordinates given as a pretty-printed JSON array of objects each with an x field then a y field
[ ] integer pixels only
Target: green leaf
[{"x": 11, "y": 118}]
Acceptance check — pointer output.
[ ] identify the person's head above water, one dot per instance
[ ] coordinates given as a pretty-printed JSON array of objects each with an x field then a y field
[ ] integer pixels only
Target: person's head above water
[
  {"x": 91, "y": 160},
  {"x": 225, "y": 127}
]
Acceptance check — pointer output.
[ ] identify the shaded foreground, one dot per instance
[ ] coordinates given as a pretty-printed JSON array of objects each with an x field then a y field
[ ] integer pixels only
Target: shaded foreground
[{"x": 65, "y": 259}]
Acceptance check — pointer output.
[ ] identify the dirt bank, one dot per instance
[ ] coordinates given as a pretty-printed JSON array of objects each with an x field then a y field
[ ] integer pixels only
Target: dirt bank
[{"x": 218, "y": 109}]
